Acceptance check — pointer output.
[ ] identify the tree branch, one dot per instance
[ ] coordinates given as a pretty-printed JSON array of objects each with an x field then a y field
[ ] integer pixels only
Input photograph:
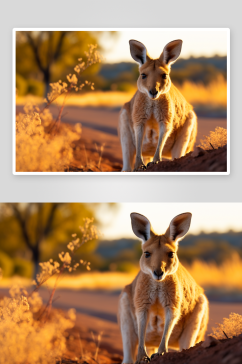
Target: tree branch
[
  {"x": 36, "y": 51},
  {"x": 59, "y": 45},
  {"x": 47, "y": 228},
  {"x": 23, "y": 226}
]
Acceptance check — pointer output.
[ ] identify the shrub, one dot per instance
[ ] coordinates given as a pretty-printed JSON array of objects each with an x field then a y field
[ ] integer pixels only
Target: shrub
[
  {"x": 24, "y": 338},
  {"x": 39, "y": 150},
  {"x": 30, "y": 332},
  {"x": 41, "y": 144},
  {"x": 216, "y": 139}
]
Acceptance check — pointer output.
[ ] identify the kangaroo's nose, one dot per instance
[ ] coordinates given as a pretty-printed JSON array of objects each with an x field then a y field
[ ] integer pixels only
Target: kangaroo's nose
[
  {"x": 158, "y": 273},
  {"x": 153, "y": 92}
]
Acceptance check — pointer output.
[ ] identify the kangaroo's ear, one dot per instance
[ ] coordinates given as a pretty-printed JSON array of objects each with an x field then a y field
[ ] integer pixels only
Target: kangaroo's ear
[
  {"x": 179, "y": 226},
  {"x": 138, "y": 51},
  {"x": 171, "y": 52},
  {"x": 141, "y": 226}
]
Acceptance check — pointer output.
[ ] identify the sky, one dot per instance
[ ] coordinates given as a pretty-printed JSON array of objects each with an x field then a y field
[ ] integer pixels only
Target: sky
[
  {"x": 207, "y": 217},
  {"x": 196, "y": 42}
]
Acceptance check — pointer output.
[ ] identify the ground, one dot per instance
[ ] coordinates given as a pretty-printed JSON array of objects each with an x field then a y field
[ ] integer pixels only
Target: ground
[
  {"x": 97, "y": 314},
  {"x": 197, "y": 161},
  {"x": 228, "y": 351},
  {"x": 99, "y": 130}
]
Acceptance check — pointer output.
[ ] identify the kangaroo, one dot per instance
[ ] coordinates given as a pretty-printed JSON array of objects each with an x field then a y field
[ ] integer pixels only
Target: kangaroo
[
  {"x": 163, "y": 306},
  {"x": 158, "y": 121}
]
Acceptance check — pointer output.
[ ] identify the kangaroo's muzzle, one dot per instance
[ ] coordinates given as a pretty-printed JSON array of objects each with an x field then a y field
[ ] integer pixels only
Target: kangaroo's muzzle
[{"x": 158, "y": 274}]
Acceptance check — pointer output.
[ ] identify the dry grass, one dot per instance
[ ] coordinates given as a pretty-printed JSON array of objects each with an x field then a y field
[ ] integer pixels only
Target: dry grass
[
  {"x": 216, "y": 139},
  {"x": 93, "y": 99},
  {"x": 41, "y": 145},
  {"x": 215, "y": 94},
  {"x": 90, "y": 280},
  {"x": 230, "y": 327},
  {"x": 29, "y": 331},
  {"x": 227, "y": 275}
]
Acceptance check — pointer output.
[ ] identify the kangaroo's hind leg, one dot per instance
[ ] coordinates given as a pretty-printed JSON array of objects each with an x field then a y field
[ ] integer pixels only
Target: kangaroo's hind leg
[
  {"x": 196, "y": 326},
  {"x": 127, "y": 141},
  {"x": 186, "y": 137},
  {"x": 128, "y": 332}
]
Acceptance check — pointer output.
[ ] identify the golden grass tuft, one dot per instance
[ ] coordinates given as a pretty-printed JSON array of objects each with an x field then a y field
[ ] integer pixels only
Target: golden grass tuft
[
  {"x": 215, "y": 140},
  {"x": 41, "y": 145},
  {"x": 230, "y": 327}
]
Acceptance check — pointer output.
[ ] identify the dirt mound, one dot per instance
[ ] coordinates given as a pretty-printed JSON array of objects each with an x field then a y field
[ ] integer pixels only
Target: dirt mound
[
  {"x": 199, "y": 160},
  {"x": 228, "y": 351}
]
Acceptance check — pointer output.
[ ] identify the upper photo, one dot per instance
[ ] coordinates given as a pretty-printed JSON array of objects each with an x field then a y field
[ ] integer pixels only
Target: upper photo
[{"x": 107, "y": 101}]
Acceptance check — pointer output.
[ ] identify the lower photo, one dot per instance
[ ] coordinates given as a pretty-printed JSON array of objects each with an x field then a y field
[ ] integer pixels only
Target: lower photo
[{"x": 121, "y": 283}]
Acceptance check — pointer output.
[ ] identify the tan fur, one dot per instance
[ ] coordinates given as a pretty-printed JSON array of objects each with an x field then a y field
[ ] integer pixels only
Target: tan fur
[
  {"x": 171, "y": 311},
  {"x": 145, "y": 118}
]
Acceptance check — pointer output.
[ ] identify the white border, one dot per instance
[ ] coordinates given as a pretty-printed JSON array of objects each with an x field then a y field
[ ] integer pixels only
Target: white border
[{"x": 120, "y": 173}]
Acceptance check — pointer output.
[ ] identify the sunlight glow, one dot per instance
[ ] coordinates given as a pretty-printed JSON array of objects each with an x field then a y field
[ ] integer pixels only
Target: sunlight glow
[
  {"x": 207, "y": 217},
  {"x": 196, "y": 42}
]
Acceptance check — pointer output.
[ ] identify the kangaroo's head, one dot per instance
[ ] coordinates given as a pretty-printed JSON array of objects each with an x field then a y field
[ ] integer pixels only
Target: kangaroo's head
[
  {"x": 154, "y": 78},
  {"x": 159, "y": 257}
]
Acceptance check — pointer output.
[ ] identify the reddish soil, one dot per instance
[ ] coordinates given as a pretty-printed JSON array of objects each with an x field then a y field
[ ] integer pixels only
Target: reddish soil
[
  {"x": 99, "y": 127},
  {"x": 228, "y": 351},
  {"x": 93, "y": 341},
  {"x": 85, "y": 349},
  {"x": 96, "y": 313},
  {"x": 199, "y": 160}
]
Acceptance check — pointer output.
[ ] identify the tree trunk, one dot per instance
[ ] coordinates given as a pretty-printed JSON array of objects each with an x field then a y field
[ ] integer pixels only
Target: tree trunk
[
  {"x": 47, "y": 81},
  {"x": 36, "y": 257}
]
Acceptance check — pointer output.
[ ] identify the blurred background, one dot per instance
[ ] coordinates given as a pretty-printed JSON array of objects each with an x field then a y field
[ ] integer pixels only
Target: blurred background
[{"x": 33, "y": 233}]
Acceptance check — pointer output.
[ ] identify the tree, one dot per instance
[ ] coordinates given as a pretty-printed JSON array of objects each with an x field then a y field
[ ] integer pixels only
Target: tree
[
  {"x": 40, "y": 227},
  {"x": 51, "y": 55}
]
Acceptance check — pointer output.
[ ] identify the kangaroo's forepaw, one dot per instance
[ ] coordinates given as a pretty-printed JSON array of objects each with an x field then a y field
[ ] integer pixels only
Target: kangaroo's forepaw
[
  {"x": 157, "y": 159},
  {"x": 140, "y": 167},
  {"x": 162, "y": 350},
  {"x": 155, "y": 355},
  {"x": 144, "y": 359}
]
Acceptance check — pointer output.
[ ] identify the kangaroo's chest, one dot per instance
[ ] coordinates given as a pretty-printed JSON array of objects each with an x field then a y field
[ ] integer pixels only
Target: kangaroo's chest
[
  {"x": 156, "y": 323},
  {"x": 156, "y": 316},
  {"x": 151, "y": 136},
  {"x": 151, "y": 131}
]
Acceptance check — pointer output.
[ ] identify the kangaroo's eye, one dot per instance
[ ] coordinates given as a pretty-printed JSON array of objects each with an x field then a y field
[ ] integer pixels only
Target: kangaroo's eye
[
  {"x": 147, "y": 254},
  {"x": 171, "y": 255},
  {"x": 164, "y": 76},
  {"x": 143, "y": 76}
]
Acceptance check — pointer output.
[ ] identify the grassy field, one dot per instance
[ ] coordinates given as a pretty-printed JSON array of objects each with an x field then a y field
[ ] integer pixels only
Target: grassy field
[
  {"x": 215, "y": 94},
  {"x": 208, "y": 275}
]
